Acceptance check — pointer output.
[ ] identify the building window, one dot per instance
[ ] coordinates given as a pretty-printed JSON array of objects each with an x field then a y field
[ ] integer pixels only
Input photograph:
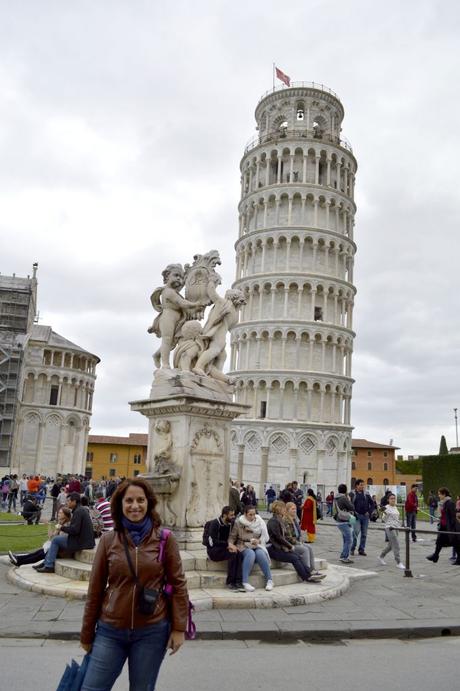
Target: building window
[
  {"x": 354, "y": 452},
  {"x": 353, "y": 480},
  {"x": 385, "y": 453},
  {"x": 369, "y": 466},
  {"x": 370, "y": 481},
  {"x": 54, "y": 395},
  {"x": 318, "y": 314},
  {"x": 112, "y": 472},
  {"x": 88, "y": 472},
  {"x": 263, "y": 409},
  {"x": 136, "y": 473},
  {"x": 137, "y": 459},
  {"x": 369, "y": 453},
  {"x": 385, "y": 466},
  {"x": 113, "y": 458},
  {"x": 386, "y": 481},
  {"x": 353, "y": 465},
  {"x": 89, "y": 457}
]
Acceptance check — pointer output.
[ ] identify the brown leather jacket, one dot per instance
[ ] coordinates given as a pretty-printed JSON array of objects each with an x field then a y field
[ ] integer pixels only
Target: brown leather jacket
[{"x": 112, "y": 590}]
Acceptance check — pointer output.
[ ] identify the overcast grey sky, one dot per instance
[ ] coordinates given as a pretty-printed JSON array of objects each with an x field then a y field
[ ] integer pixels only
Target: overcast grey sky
[{"x": 122, "y": 128}]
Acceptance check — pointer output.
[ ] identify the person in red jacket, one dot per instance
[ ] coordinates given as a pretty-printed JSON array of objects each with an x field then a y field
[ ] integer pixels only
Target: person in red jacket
[{"x": 411, "y": 508}]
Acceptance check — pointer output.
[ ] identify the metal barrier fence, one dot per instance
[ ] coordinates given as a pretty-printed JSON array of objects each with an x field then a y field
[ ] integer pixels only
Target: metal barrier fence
[{"x": 407, "y": 531}]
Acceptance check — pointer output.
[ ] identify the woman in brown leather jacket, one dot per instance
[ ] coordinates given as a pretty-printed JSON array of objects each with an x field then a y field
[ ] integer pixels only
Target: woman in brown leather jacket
[{"x": 113, "y": 627}]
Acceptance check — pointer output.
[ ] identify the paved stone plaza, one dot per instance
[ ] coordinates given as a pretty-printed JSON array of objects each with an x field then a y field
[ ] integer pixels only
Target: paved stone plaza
[{"x": 387, "y": 605}]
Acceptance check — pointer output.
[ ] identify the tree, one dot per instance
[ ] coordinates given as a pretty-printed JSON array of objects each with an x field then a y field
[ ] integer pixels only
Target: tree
[{"x": 443, "y": 451}]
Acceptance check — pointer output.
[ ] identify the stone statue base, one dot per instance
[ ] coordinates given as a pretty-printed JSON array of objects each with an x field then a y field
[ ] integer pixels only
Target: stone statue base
[
  {"x": 189, "y": 459},
  {"x": 173, "y": 382}
]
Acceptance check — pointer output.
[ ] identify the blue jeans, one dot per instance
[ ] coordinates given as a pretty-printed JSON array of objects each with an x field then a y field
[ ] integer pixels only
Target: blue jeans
[
  {"x": 432, "y": 514},
  {"x": 347, "y": 532},
  {"x": 145, "y": 649},
  {"x": 411, "y": 522},
  {"x": 360, "y": 527},
  {"x": 255, "y": 555},
  {"x": 58, "y": 542}
]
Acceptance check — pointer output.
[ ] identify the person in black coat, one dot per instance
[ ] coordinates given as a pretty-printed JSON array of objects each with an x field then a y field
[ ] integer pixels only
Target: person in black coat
[
  {"x": 447, "y": 524},
  {"x": 31, "y": 511},
  {"x": 218, "y": 550},
  {"x": 74, "y": 537}
]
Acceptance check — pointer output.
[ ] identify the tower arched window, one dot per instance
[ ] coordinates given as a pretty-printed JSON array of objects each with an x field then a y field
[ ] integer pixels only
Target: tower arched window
[
  {"x": 369, "y": 466},
  {"x": 370, "y": 481},
  {"x": 385, "y": 466},
  {"x": 300, "y": 114},
  {"x": 386, "y": 481},
  {"x": 353, "y": 465}
]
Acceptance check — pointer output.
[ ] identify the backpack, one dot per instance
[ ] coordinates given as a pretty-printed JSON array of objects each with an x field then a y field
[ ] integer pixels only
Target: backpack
[
  {"x": 205, "y": 538},
  {"x": 190, "y": 633},
  {"x": 96, "y": 520}
]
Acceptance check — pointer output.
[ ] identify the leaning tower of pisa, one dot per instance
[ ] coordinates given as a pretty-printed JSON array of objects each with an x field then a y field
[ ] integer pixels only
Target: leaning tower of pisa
[{"x": 291, "y": 351}]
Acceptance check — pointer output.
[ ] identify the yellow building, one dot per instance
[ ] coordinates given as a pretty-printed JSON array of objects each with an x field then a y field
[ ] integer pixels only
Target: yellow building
[{"x": 108, "y": 457}]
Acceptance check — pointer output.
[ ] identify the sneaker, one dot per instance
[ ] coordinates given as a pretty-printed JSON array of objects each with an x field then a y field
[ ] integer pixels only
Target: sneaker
[
  {"x": 352, "y": 553},
  {"x": 401, "y": 566},
  {"x": 12, "y": 558},
  {"x": 269, "y": 585},
  {"x": 318, "y": 576},
  {"x": 240, "y": 588},
  {"x": 382, "y": 561},
  {"x": 248, "y": 588},
  {"x": 313, "y": 579},
  {"x": 362, "y": 553},
  {"x": 231, "y": 586},
  {"x": 38, "y": 566},
  {"x": 347, "y": 560}
]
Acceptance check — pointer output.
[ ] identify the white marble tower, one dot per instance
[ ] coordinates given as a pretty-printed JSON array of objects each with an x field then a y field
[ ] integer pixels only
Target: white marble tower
[{"x": 291, "y": 351}]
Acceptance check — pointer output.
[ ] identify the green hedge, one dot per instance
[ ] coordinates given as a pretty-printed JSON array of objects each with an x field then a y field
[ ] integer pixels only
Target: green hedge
[
  {"x": 441, "y": 471},
  {"x": 414, "y": 467}
]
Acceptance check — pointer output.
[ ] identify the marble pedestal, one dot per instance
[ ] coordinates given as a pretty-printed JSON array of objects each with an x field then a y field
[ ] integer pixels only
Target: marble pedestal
[{"x": 192, "y": 484}]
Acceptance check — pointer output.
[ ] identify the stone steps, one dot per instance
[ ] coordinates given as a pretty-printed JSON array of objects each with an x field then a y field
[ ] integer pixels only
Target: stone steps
[
  {"x": 336, "y": 583},
  {"x": 81, "y": 571}
]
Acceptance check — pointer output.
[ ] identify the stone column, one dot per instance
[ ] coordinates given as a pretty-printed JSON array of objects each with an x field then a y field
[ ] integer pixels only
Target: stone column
[{"x": 240, "y": 462}]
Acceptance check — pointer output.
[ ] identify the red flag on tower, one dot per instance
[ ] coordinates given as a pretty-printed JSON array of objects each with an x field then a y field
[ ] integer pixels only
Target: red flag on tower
[{"x": 283, "y": 77}]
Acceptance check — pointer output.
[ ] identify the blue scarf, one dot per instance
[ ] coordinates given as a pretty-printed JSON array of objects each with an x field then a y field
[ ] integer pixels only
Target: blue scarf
[{"x": 137, "y": 530}]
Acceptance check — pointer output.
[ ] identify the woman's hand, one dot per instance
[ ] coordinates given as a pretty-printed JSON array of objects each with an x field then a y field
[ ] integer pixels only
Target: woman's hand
[
  {"x": 176, "y": 639},
  {"x": 87, "y": 647}
]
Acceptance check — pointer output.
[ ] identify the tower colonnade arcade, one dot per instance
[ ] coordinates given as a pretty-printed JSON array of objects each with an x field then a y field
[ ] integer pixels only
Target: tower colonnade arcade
[
  {"x": 53, "y": 422},
  {"x": 291, "y": 352}
]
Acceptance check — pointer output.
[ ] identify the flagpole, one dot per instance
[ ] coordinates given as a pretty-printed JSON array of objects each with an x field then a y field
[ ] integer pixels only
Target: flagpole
[{"x": 273, "y": 76}]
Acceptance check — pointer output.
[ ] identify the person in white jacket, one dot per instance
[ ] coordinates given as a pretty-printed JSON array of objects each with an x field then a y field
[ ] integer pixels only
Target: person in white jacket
[{"x": 392, "y": 521}]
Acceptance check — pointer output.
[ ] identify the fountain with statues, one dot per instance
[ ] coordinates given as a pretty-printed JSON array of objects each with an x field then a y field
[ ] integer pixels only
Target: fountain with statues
[{"x": 191, "y": 406}]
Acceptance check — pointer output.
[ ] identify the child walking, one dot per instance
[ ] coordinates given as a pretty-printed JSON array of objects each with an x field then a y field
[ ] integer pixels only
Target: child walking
[{"x": 392, "y": 522}]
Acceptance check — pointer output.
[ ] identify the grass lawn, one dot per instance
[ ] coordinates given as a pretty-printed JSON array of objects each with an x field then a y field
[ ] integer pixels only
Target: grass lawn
[
  {"x": 10, "y": 517},
  {"x": 22, "y": 538}
]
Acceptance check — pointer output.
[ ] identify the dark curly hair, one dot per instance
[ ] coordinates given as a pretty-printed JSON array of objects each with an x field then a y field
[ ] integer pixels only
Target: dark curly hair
[{"x": 117, "y": 498}]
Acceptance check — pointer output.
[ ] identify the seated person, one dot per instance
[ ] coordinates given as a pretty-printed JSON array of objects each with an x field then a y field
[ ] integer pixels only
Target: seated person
[
  {"x": 280, "y": 548},
  {"x": 31, "y": 511},
  {"x": 293, "y": 535},
  {"x": 249, "y": 536},
  {"x": 74, "y": 537},
  {"x": 64, "y": 516},
  {"x": 217, "y": 548}
]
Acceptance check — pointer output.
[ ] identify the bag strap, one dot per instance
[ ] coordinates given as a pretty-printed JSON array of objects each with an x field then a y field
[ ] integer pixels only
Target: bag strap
[
  {"x": 164, "y": 534},
  {"x": 130, "y": 563}
]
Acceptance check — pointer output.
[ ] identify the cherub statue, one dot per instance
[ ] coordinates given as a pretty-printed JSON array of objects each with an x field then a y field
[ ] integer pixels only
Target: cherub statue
[
  {"x": 172, "y": 312},
  {"x": 190, "y": 346},
  {"x": 222, "y": 318}
]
